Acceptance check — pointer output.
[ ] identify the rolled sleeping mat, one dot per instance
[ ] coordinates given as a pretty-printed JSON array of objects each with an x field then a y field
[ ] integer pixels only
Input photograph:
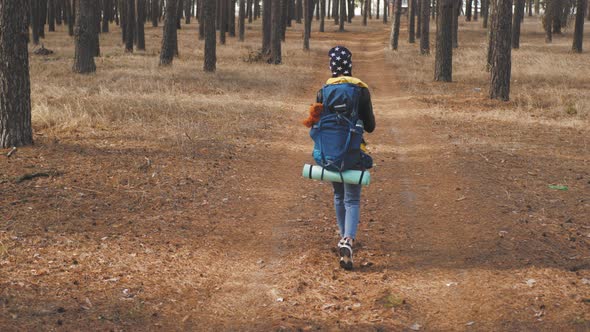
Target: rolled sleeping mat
[{"x": 351, "y": 176}]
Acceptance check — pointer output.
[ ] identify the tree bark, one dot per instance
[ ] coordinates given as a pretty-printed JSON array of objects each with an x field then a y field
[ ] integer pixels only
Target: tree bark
[
  {"x": 170, "y": 36},
  {"x": 209, "y": 29},
  {"x": 418, "y": 19},
  {"x": 15, "y": 86},
  {"x": 425, "y": 31},
  {"x": 51, "y": 15},
  {"x": 308, "y": 17},
  {"x": 266, "y": 25},
  {"x": 366, "y": 12},
  {"x": 140, "y": 6},
  {"x": 501, "y": 54},
  {"x": 298, "y": 11},
  {"x": 412, "y": 21},
  {"x": 242, "y": 20},
  {"x": 485, "y": 12},
  {"x": 457, "y": 4},
  {"x": 517, "y": 20},
  {"x": 84, "y": 38},
  {"x": 548, "y": 20},
  {"x": 106, "y": 15},
  {"x": 443, "y": 67},
  {"x": 70, "y": 17},
  {"x": 323, "y": 15},
  {"x": 475, "y": 13},
  {"x": 342, "y": 16},
  {"x": 394, "y": 37},
  {"x": 275, "y": 33},
  {"x": 129, "y": 25},
  {"x": 385, "y": 8},
  {"x": 468, "y": 9},
  {"x": 155, "y": 12},
  {"x": 579, "y": 27},
  {"x": 231, "y": 18}
]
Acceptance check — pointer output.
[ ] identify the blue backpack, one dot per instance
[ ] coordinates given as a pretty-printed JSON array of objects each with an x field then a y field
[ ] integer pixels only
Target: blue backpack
[{"x": 339, "y": 133}]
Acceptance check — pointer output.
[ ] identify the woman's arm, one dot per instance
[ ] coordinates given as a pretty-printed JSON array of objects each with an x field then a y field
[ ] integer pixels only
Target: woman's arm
[{"x": 366, "y": 110}]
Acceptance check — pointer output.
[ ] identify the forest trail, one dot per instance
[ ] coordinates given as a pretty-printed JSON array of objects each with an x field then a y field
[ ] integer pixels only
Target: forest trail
[
  {"x": 183, "y": 222},
  {"x": 432, "y": 249}
]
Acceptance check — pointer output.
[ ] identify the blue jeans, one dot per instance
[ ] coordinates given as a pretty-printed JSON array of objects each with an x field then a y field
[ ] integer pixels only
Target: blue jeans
[{"x": 347, "y": 201}]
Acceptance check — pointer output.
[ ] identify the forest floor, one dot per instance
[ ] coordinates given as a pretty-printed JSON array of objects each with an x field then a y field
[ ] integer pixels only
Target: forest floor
[{"x": 173, "y": 199}]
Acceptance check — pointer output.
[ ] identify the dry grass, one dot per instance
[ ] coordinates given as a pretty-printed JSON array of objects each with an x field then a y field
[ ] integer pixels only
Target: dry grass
[
  {"x": 131, "y": 92},
  {"x": 548, "y": 81}
]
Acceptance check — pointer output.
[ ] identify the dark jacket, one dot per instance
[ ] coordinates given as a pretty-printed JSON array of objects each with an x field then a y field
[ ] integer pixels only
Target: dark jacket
[{"x": 365, "y": 109}]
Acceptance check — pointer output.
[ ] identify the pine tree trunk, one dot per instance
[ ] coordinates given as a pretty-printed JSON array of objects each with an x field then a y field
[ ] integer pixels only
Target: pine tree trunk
[
  {"x": 210, "y": 40},
  {"x": 15, "y": 86},
  {"x": 35, "y": 12},
  {"x": 548, "y": 21},
  {"x": 242, "y": 20},
  {"x": 266, "y": 25},
  {"x": 42, "y": 17},
  {"x": 418, "y": 19},
  {"x": 250, "y": 11},
  {"x": 385, "y": 8},
  {"x": 69, "y": 17},
  {"x": 51, "y": 15},
  {"x": 187, "y": 11},
  {"x": 579, "y": 26},
  {"x": 140, "y": 5},
  {"x": 129, "y": 25},
  {"x": 377, "y": 14},
  {"x": 231, "y": 18},
  {"x": 485, "y": 12},
  {"x": 365, "y": 12},
  {"x": 557, "y": 12},
  {"x": 425, "y": 28},
  {"x": 84, "y": 38},
  {"x": 169, "y": 38},
  {"x": 475, "y": 12},
  {"x": 275, "y": 33},
  {"x": 106, "y": 11},
  {"x": 342, "y": 15},
  {"x": 308, "y": 17},
  {"x": 335, "y": 8},
  {"x": 443, "y": 66},
  {"x": 456, "y": 12},
  {"x": 202, "y": 20},
  {"x": 516, "y": 21},
  {"x": 155, "y": 13},
  {"x": 501, "y": 54},
  {"x": 256, "y": 9},
  {"x": 468, "y": 7},
  {"x": 394, "y": 37},
  {"x": 223, "y": 21},
  {"x": 323, "y": 15},
  {"x": 412, "y": 21},
  {"x": 298, "y": 11}
]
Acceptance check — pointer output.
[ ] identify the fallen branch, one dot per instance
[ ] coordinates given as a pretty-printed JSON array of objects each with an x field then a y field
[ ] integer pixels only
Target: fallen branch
[
  {"x": 11, "y": 152},
  {"x": 31, "y": 176}
]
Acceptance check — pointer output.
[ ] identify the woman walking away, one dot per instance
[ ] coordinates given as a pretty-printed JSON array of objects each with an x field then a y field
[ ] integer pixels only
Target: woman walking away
[{"x": 345, "y": 111}]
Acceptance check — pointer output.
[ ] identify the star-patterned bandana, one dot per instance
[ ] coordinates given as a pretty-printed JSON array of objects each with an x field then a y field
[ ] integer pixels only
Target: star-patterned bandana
[{"x": 340, "y": 61}]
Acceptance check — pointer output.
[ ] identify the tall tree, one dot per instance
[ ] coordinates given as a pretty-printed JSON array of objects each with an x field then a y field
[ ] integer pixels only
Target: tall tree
[
  {"x": 85, "y": 33},
  {"x": 394, "y": 37},
  {"x": 155, "y": 12},
  {"x": 35, "y": 12},
  {"x": 412, "y": 21},
  {"x": 475, "y": 11},
  {"x": 223, "y": 24},
  {"x": 15, "y": 86},
  {"x": 548, "y": 19},
  {"x": 443, "y": 66},
  {"x": 170, "y": 36},
  {"x": 468, "y": 10},
  {"x": 308, "y": 17},
  {"x": 210, "y": 40},
  {"x": 70, "y": 17},
  {"x": 485, "y": 12},
  {"x": 425, "y": 31},
  {"x": 266, "y": 26},
  {"x": 579, "y": 29},
  {"x": 457, "y": 4},
  {"x": 419, "y": 19},
  {"x": 106, "y": 14},
  {"x": 140, "y": 7},
  {"x": 51, "y": 14},
  {"x": 501, "y": 53},
  {"x": 322, "y": 15},
  {"x": 365, "y": 12},
  {"x": 242, "y": 20},
  {"x": 275, "y": 34},
  {"x": 342, "y": 15},
  {"x": 385, "y": 8},
  {"x": 129, "y": 25},
  {"x": 516, "y": 21}
]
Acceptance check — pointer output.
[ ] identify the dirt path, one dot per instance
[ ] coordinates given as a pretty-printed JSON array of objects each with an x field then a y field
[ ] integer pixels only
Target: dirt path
[{"x": 434, "y": 248}]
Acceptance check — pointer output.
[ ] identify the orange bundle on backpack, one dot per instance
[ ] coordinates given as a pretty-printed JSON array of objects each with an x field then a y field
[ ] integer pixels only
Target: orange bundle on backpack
[{"x": 314, "y": 115}]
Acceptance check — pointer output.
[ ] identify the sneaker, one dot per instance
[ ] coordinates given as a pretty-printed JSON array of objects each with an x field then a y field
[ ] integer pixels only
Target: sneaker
[{"x": 346, "y": 255}]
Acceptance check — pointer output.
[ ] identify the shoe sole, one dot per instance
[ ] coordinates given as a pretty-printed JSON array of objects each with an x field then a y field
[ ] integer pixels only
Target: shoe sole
[{"x": 345, "y": 258}]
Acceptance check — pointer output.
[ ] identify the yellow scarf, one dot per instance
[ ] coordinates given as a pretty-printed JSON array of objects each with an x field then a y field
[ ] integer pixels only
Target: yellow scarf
[{"x": 347, "y": 79}]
